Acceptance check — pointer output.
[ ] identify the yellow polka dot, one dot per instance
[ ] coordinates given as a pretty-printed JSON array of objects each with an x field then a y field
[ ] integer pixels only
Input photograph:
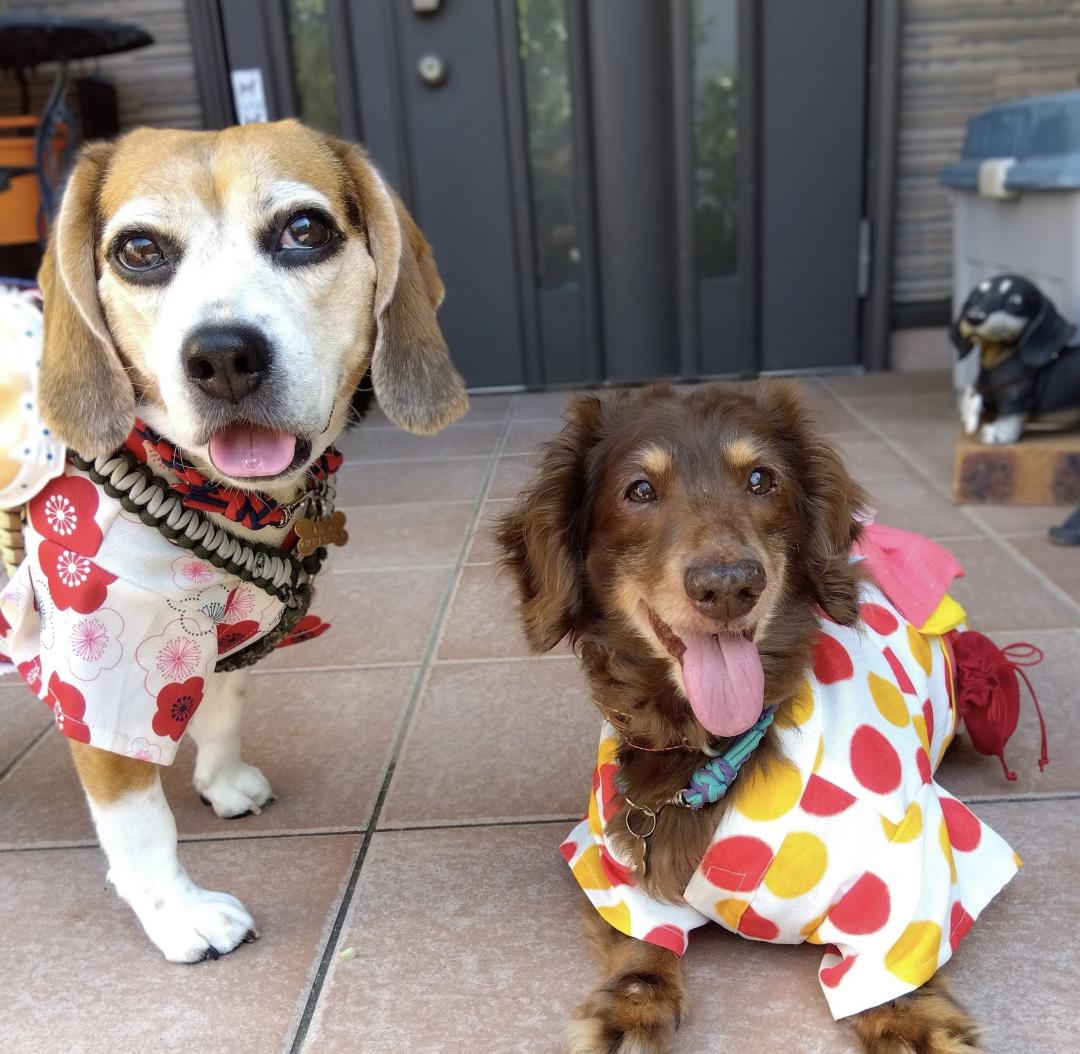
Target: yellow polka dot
[
  {"x": 888, "y": 700},
  {"x": 820, "y": 753},
  {"x": 770, "y": 791},
  {"x": 609, "y": 750},
  {"x": 1017, "y": 860},
  {"x": 595, "y": 826},
  {"x": 618, "y": 915},
  {"x": 588, "y": 870},
  {"x": 809, "y": 931},
  {"x": 798, "y": 866},
  {"x": 730, "y": 911},
  {"x": 920, "y": 648},
  {"x": 920, "y": 730},
  {"x": 946, "y": 848},
  {"x": 947, "y": 615},
  {"x": 908, "y": 829},
  {"x": 802, "y": 706},
  {"x": 914, "y": 957}
]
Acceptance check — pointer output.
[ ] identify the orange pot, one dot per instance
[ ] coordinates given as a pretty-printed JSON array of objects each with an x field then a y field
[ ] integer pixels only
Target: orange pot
[{"x": 19, "y": 204}]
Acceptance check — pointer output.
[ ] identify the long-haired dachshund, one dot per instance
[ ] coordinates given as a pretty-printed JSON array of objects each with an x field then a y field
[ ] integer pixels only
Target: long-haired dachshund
[{"x": 707, "y": 556}]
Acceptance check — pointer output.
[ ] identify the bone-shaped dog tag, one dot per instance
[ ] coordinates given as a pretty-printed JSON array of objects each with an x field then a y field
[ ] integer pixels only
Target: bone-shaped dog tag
[{"x": 311, "y": 534}]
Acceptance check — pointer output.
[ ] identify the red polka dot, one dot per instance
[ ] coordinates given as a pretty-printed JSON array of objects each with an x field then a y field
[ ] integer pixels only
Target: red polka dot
[
  {"x": 568, "y": 849},
  {"x": 668, "y": 936},
  {"x": 965, "y": 831},
  {"x": 617, "y": 874},
  {"x": 923, "y": 762},
  {"x": 928, "y": 717},
  {"x": 864, "y": 908},
  {"x": 903, "y": 681},
  {"x": 737, "y": 863},
  {"x": 822, "y": 798},
  {"x": 610, "y": 797},
  {"x": 832, "y": 975},
  {"x": 873, "y": 761},
  {"x": 831, "y": 662},
  {"x": 879, "y": 619},
  {"x": 959, "y": 924},
  {"x": 754, "y": 925}
]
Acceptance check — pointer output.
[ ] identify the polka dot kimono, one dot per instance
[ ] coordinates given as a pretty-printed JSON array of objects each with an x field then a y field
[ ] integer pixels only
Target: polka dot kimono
[{"x": 849, "y": 843}]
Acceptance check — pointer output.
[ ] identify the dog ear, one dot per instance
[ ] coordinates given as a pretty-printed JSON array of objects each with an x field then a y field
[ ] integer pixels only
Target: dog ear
[
  {"x": 1045, "y": 337},
  {"x": 962, "y": 344},
  {"x": 543, "y": 538},
  {"x": 828, "y": 500},
  {"x": 415, "y": 382},
  {"x": 86, "y": 396}
]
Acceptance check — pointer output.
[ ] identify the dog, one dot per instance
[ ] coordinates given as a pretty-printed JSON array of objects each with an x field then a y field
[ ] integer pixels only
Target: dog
[
  {"x": 708, "y": 557},
  {"x": 211, "y": 301},
  {"x": 1027, "y": 368}
]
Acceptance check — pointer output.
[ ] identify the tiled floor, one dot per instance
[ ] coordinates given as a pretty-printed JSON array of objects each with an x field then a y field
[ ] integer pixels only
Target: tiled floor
[{"x": 426, "y": 769}]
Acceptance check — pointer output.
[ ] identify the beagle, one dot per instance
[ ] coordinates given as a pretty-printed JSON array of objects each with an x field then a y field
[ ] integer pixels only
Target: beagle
[{"x": 211, "y": 301}]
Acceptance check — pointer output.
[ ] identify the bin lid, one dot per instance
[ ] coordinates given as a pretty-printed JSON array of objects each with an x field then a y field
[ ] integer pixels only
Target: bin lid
[{"x": 1041, "y": 134}]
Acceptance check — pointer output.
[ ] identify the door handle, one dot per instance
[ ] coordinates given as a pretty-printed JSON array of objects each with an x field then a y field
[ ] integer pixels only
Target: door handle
[
  {"x": 433, "y": 70},
  {"x": 426, "y": 7}
]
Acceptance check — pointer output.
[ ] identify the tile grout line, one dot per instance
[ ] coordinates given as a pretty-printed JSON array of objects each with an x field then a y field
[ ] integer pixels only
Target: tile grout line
[
  {"x": 13, "y": 764},
  {"x": 434, "y": 638},
  {"x": 988, "y": 532}
]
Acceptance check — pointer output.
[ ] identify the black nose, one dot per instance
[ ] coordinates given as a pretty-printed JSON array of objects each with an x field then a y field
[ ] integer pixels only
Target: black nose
[
  {"x": 226, "y": 362},
  {"x": 725, "y": 591},
  {"x": 975, "y": 315}
]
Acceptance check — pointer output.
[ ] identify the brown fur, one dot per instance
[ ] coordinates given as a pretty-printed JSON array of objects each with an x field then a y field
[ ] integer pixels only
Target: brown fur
[
  {"x": 107, "y": 777},
  {"x": 928, "y": 1021},
  {"x": 584, "y": 559}
]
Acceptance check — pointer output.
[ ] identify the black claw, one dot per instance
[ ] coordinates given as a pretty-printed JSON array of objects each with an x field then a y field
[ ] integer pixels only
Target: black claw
[
  {"x": 240, "y": 815},
  {"x": 250, "y": 937},
  {"x": 210, "y": 953},
  {"x": 204, "y": 799},
  {"x": 270, "y": 800}
]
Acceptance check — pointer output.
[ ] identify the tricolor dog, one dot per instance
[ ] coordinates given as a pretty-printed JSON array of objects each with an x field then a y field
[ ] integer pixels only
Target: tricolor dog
[{"x": 211, "y": 300}]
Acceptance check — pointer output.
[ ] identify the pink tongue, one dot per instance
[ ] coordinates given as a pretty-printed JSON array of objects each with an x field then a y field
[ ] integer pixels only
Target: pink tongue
[
  {"x": 248, "y": 450},
  {"x": 724, "y": 682}
]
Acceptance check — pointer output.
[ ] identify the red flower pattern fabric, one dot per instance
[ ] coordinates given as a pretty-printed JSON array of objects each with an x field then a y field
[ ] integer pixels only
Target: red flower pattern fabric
[
  {"x": 69, "y": 708},
  {"x": 176, "y": 704}
]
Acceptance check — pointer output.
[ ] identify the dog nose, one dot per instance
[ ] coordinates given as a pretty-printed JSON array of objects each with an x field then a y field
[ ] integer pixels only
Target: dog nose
[
  {"x": 975, "y": 315},
  {"x": 226, "y": 362},
  {"x": 725, "y": 591}
]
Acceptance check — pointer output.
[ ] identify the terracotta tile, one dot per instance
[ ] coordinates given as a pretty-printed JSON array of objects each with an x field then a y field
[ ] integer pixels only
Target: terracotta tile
[
  {"x": 870, "y": 385},
  {"x": 22, "y": 717},
  {"x": 1058, "y": 563},
  {"x": 375, "y": 617},
  {"x": 482, "y": 547},
  {"x": 392, "y": 444},
  {"x": 868, "y": 458},
  {"x": 322, "y": 740},
  {"x": 482, "y": 622},
  {"x": 532, "y": 406},
  {"x": 909, "y": 411},
  {"x": 933, "y": 447},
  {"x": 1021, "y": 519},
  {"x": 911, "y": 503},
  {"x": 481, "y": 408},
  {"x": 970, "y": 775},
  {"x": 395, "y": 483},
  {"x": 512, "y": 474},
  {"x": 531, "y": 721},
  {"x": 384, "y": 536},
  {"x": 65, "y": 932},
  {"x": 523, "y": 437},
  {"x": 999, "y": 594}
]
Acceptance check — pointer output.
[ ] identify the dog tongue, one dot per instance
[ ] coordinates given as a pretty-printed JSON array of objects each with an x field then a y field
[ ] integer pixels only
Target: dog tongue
[
  {"x": 724, "y": 682},
  {"x": 249, "y": 450}
]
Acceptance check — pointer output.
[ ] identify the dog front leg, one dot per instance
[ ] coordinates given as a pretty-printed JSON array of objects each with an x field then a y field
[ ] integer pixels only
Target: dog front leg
[
  {"x": 640, "y": 1003},
  {"x": 928, "y": 1021},
  {"x": 1006, "y": 429},
  {"x": 137, "y": 831},
  {"x": 225, "y": 782}
]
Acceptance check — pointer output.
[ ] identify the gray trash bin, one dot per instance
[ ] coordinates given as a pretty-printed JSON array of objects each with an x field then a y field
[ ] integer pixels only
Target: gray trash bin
[{"x": 1016, "y": 200}]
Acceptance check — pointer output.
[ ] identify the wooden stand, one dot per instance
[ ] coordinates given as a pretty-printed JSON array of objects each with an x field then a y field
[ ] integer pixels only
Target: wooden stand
[{"x": 1042, "y": 469}]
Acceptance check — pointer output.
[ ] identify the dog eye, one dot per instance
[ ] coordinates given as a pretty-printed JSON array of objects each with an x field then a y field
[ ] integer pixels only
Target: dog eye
[
  {"x": 306, "y": 230},
  {"x": 139, "y": 253},
  {"x": 760, "y": 481},
  {"x": 1016, "y": 300},
  {"x": 641, "y": 492}
]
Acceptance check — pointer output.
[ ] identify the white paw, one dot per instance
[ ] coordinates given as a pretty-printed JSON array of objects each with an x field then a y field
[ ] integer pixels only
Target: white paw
[
  {"x": 190, "y": 924},
  {"x": 1003, "y": 430},
  {"x": 971, "y": 405},
  {"x": 235, "y": 790}
]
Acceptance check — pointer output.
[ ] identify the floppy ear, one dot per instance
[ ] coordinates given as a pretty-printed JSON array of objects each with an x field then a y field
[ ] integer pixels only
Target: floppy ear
[
  {"x": 86, "y": 397},
  {"x": 828, "y": 500},
  {"x": 414, "y": 380},
  {"x": 543, "y": 538},
  {"x": 1046, "y": 336},
  {"x": 959, "y": 341}
]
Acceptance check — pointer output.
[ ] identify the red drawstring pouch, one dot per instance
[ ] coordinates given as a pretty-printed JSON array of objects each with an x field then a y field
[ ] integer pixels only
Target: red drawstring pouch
[{"x": 988, "y": 692}]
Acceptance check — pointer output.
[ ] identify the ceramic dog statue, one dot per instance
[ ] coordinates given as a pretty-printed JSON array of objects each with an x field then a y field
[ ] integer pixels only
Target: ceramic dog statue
[{"x": 1028, "y": 366}]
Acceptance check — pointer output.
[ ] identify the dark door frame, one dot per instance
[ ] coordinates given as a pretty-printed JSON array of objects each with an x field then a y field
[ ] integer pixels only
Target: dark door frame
[{"x": 374, "y": 109}]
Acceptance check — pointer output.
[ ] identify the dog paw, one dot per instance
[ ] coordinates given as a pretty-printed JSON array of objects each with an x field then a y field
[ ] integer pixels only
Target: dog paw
[
  {"x": 235, "y": 790},
  {"x": 196, "y": 925},
  {"x": 928, "y": 1021},
  {"x": 1003, "y": 430},
  {"x": 635, "y": 1014}
]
